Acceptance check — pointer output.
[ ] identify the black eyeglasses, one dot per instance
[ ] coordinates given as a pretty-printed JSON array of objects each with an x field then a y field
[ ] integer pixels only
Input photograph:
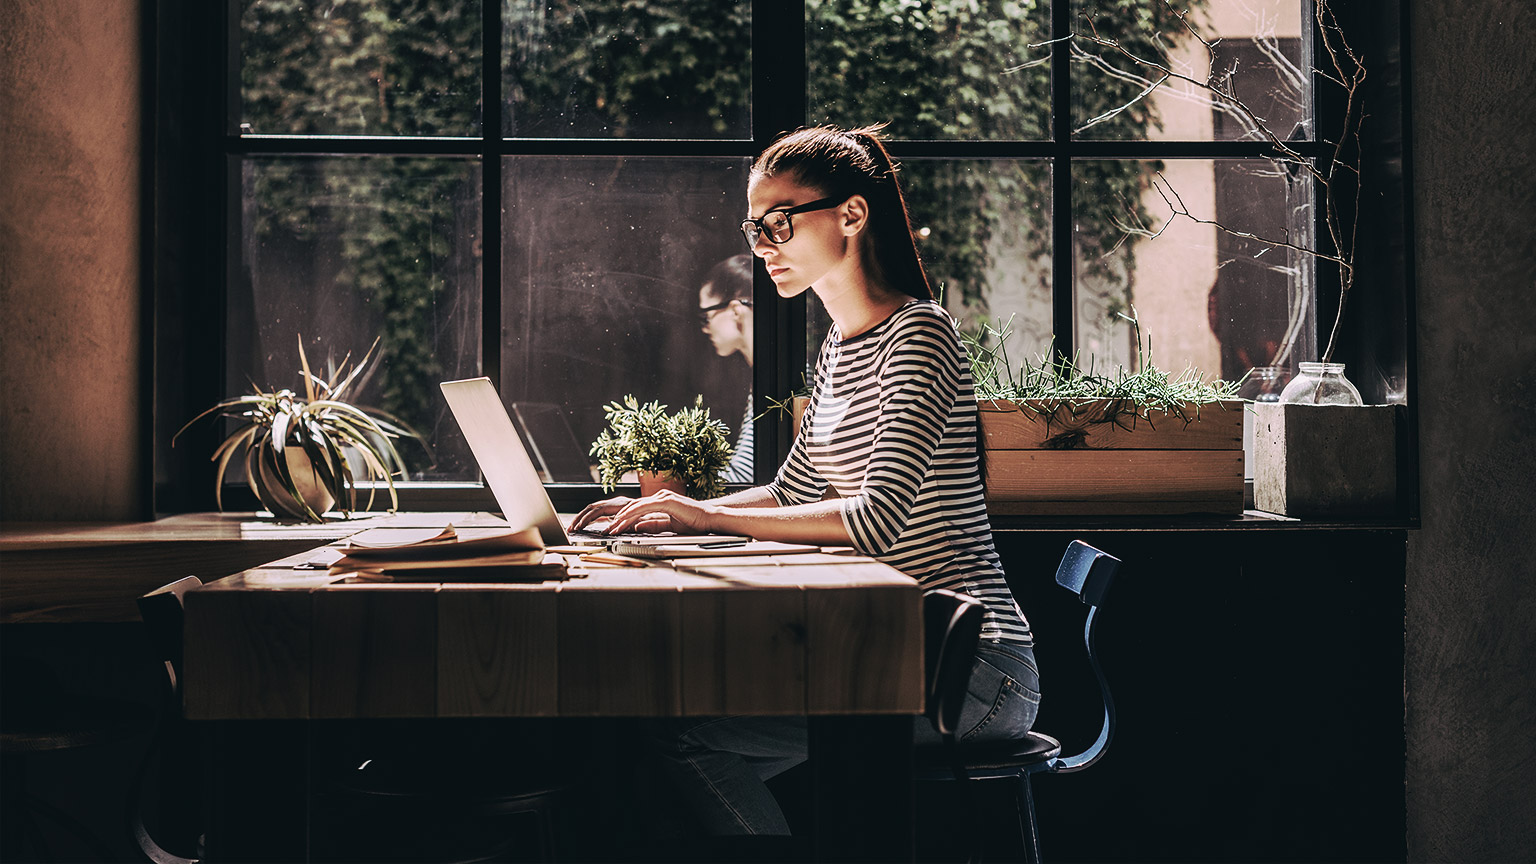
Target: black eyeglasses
[
  {"x": 776, "y": 225},
  {"x": 707, "y": 313}
]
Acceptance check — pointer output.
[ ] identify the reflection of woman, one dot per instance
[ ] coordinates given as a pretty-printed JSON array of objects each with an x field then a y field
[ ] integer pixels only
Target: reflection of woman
[
  {"x": 892, "y": 427},
  {"x": 725, "y": 311}
]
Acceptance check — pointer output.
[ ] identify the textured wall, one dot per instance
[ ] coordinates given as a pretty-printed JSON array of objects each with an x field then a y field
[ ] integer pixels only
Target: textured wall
[
  {"x": 69, "y": 294},
  {"x": 1471, "y": 601}
]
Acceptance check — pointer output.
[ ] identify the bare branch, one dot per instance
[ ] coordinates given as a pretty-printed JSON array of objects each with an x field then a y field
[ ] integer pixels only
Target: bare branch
[
  {"x": 1177, "y": 206},
  {"x": 1115, "y": 111}
]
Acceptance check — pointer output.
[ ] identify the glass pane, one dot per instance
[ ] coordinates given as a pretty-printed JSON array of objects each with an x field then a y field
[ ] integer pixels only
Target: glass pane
[
  {"x": 603, "y": 265},
  {"x": 1204, "y": 296},
  {"x": 983, "y": 228},
  {"x": 952, "y": 70},
  {"x": 1251, "y": 50},
  {"x": 346, "y": 251},
  {"x": 622, "y": 69},
  {"x": 367, "y": 67}
]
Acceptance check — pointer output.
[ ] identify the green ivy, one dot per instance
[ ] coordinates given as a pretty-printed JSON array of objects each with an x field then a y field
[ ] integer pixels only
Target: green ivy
[
  {"x": 937, "y": 69},
  {"x": 381, "y": 67}
]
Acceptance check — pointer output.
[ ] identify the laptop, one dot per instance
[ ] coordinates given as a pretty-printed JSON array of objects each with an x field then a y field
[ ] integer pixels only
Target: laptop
[{"x": 510, "y": 472}]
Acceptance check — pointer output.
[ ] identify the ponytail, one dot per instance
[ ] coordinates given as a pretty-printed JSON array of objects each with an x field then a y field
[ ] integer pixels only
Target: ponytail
[{"x": 855, "y": 162}]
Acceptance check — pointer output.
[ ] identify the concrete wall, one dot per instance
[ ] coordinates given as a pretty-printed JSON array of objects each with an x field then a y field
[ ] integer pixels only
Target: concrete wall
[
  {"x": 1471, "y": 601},
  {"x": 69, "y": 260}
]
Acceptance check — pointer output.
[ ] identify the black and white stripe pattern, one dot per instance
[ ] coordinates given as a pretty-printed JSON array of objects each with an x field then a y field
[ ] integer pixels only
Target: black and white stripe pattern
[
  {"x": 740, "y": 468},
  {"x": 892, "y": 429}
]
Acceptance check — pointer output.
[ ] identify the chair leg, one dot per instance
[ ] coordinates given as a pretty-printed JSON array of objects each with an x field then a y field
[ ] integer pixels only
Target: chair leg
[{"x": 1029, "y": 828}]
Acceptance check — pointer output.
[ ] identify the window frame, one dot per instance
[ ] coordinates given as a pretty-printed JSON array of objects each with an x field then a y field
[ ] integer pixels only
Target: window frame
[{"x": 195, "y": 149}]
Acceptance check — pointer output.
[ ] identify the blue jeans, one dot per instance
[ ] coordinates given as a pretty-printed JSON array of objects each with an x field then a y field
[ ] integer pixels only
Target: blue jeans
[{"x": 720, "y": 765}]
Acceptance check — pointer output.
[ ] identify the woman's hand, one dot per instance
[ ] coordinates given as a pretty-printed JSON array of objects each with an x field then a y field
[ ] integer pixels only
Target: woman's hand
[
  {"x": 603, "y": 509},
  {"x": 666, "y": 508}
]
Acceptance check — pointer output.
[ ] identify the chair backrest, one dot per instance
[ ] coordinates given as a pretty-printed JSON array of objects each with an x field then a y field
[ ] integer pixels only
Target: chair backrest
[
  {"x": 173, "y": 750},
  {"x": 164, "y": 612},
  {"x": 1088, "y": 573},
  {"x": 951, "y": 628}
]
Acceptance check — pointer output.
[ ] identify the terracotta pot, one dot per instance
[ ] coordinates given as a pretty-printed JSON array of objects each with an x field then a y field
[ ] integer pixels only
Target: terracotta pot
[
  {"x": 652, "y": 482},
  {"x": 305, "y": 479}
]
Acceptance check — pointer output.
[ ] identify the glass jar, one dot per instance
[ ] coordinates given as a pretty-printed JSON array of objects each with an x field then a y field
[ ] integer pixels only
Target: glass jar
[
  {"x": 1320, "y": 384},
  {"x": 1264, "y": 384}
]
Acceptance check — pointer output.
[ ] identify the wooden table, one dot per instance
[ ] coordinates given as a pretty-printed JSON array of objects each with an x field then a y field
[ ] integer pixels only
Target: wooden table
[
  {"x": 838, "y": 639},
  {"x": 92, "y": 572}
]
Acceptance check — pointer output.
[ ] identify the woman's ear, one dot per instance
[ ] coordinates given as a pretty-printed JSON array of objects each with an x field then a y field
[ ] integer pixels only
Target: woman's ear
[{"x": 855, "y": 215}]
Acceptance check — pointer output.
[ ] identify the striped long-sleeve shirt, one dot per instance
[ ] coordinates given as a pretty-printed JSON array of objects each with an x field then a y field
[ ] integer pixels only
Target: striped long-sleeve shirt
[{"x": 892, "y": 428}]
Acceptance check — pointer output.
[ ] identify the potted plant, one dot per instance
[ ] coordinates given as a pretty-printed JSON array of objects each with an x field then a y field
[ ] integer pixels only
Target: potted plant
[
  {"x": 304, "y": 454},
  {"x": 1062, "y": 440},
  {"x": 685, "y": 451}
]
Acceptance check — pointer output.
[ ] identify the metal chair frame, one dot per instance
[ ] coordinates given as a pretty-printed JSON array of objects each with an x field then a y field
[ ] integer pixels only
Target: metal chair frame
[{"x": 953, "y": 630}]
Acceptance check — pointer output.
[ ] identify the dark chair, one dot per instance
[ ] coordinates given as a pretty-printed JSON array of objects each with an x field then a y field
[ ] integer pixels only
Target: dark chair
[
  {"x": 172, "y": 755},
  {"x": 953, "y": 624},
  {"x": 388, "y": 802}
]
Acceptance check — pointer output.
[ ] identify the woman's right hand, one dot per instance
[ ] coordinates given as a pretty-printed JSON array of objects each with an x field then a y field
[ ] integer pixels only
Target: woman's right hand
[{"x": 599, "y": 510}]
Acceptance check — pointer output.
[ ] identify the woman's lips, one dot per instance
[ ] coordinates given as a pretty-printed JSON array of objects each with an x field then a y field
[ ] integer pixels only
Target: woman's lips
[{"x": 775, "y": 272}]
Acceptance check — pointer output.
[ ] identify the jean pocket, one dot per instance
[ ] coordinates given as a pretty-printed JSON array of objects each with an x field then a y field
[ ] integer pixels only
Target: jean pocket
[{"x": 998, "y": 708}]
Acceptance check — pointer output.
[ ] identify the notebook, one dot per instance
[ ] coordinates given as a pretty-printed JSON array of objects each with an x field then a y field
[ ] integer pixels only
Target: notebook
[{"x": 510, "y": 473}]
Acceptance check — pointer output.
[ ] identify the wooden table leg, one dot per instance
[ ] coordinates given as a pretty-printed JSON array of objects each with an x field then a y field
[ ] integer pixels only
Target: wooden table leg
[{"x": 862, "y": 787}]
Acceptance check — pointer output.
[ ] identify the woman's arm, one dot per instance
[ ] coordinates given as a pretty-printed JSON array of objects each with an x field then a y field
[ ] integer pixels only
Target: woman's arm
[
  {"x": 755, "y": 497},
  {"x": 819, "y": 522}
]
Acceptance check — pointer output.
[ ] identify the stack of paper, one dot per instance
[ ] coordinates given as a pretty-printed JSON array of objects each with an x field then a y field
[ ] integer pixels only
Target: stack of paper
[{"x": 449, "y": 555}]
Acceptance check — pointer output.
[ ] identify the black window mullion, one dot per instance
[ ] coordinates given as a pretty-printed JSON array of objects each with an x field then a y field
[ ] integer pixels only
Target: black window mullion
[
  {"x": 1062, "y": 288},
  {"x": 491, "y": 139},
  {"x": 778, "y": 106}
]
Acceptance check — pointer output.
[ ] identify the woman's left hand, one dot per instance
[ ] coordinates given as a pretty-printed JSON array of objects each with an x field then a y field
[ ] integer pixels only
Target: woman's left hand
[{"x": 684, "y": 513}]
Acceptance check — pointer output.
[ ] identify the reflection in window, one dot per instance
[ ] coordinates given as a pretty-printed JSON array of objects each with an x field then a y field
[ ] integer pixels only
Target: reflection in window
[
  {"x": 603, "y": 260},
  {"x": 344, "y": 251},
  {"x": 1206, "y": 298},
  {"x": 621, "y": 69},
  {"x": 380, "y": 67}
]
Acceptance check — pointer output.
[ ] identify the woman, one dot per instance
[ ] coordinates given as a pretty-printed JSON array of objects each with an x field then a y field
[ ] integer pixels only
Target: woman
[
  {"x": 725, "y": 314},
  {"x": 892, "y": 428}
]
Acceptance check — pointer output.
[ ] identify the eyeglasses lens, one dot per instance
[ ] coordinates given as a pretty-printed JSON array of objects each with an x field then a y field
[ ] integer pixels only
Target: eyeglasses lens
[
  {"x": 779, "y": 228},
  {"x": 777, "y": 225}
]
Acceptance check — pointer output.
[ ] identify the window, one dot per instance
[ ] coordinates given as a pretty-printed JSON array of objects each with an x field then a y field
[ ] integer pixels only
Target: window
[{"x": 535, "y": 190}]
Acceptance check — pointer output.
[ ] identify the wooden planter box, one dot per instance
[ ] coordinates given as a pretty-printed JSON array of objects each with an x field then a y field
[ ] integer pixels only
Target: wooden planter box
[{"x": 1085, "y": 459}]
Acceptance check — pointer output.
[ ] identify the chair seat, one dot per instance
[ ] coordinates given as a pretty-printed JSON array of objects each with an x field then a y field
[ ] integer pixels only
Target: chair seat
[{"x": 991, "y": 758}]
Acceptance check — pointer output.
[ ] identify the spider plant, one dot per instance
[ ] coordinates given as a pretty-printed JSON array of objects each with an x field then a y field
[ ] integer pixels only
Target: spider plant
[{"x": 323, "y": 427}]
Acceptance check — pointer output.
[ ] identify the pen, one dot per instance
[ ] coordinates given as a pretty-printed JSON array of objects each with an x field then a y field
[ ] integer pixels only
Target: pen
[{"x": 723, "y": 544}]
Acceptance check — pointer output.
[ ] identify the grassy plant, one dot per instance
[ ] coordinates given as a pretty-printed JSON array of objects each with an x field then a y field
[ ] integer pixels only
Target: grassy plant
[
  {"x": 690, "y": 445},
  {"x": 1050, "y": 384},
  {"x": 323, "y": 426}
]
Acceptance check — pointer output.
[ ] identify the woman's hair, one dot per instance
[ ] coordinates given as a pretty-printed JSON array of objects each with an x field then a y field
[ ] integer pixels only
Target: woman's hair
[
  {"x": 731, "y": 279},
  {"x": 842, "y": 163}
]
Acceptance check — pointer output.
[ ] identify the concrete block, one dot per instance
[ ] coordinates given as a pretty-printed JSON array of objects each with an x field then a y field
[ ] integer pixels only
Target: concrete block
[{"x": 1325, "y": 460}]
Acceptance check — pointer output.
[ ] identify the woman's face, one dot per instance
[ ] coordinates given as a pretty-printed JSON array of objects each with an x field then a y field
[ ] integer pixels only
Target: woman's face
[
  {"x": 819, "y": 243},
  {"x": 728, "y": 325}
]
